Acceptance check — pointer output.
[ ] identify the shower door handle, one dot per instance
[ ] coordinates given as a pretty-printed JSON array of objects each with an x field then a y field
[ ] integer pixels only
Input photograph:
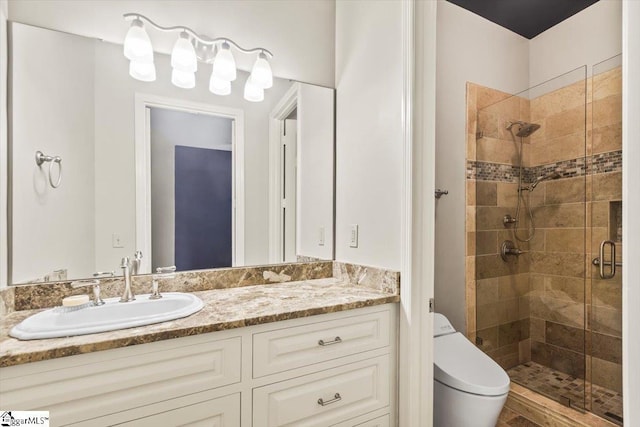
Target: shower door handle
[{"x": 612, "y": 263}]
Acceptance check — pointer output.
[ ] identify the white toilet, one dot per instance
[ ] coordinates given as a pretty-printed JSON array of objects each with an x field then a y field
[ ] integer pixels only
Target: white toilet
[{"x": 470, "y": 389}]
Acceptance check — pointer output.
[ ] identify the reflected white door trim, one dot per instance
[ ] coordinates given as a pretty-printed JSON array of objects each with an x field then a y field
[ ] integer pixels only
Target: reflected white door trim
[
  {"x": 286, "y": 105},
  {"x": 143, "y": 169}
]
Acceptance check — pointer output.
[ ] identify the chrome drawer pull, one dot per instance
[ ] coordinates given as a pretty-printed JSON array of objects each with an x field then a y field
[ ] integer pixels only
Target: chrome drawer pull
[
  {"x": 336, "y": 398},
  {"x": 336, "y": 340}
]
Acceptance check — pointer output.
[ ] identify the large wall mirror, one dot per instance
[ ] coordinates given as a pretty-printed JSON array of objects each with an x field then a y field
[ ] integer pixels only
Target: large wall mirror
[{"x": 187, "y": 177}]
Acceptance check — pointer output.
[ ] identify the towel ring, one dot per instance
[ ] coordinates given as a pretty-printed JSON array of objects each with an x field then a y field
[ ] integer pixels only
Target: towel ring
[{"x": 43, "y": 158}]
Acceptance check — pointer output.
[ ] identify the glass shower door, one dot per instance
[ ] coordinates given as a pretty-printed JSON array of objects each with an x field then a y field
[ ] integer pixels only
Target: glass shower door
[{"x": 604, "y": 360}]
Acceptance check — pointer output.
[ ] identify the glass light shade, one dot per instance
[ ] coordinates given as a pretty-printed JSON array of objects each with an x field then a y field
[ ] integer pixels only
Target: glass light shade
[
  {"x": 219, "y": 86},
  {"x": 183, "y": 79},
  {"x": 183, "y": 55},
  {"x": 253, "y": 92},
  {"x": 142, "y": 70},
  {"x": 224, "y": 65},
  {"x": 261, "y": 74},
  {"x": 137, "y": 44}
]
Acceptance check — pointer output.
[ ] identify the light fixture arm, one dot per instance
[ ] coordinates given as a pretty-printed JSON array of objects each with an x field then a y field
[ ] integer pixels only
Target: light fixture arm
[{"x": 201, "y": 39}]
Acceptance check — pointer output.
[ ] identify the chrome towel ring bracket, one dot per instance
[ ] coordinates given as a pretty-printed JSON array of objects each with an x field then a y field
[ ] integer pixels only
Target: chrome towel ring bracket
[{"x": 43, "y": 158}]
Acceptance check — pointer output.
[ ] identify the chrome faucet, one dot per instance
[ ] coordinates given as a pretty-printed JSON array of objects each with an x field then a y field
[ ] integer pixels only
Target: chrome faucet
[{"x": 127, "y": 295}]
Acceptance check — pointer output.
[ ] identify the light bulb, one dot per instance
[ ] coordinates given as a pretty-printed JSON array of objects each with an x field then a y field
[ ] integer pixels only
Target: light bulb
[
  {"x": 261, "y": 74},
  {"x": 183, "y": 55},
  {"x": 253, "y": 92},
  {"x": 142, "y": 70},
  {"x": 137, "y": 45},
  {"x": 219, "y": 86},
  {"x": 224, "y": 66},
  {"x": 183, "y": 79}
]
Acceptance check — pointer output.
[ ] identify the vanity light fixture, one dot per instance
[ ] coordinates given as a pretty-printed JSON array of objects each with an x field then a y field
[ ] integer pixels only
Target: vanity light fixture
[{"x": 189, "y": 48}]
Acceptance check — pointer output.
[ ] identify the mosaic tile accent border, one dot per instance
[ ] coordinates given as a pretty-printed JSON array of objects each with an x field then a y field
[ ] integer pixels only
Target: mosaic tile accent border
[{"x": 596, "y": 164}]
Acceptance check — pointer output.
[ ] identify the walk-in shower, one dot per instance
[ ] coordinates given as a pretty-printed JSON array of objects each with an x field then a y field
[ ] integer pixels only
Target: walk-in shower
[{"x": 543, "y": 193}]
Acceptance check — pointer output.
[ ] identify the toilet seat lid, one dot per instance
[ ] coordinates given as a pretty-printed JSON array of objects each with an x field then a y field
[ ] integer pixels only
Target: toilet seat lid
[{"x": 461, "y": 365}]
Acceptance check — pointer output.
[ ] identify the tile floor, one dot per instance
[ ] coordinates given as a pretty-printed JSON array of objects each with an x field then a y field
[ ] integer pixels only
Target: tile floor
[{"x": 563, "y": 387}]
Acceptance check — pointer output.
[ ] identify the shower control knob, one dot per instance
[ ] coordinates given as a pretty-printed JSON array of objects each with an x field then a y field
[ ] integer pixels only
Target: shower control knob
[{"x": 508, "y": 219}]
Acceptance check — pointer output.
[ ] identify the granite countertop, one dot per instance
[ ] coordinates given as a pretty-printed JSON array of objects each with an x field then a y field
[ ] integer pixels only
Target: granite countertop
[{"x": 223, "y": 309}]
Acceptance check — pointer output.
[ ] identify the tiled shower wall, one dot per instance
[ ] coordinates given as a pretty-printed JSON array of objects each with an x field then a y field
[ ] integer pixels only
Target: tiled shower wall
[
  {"x": 497, "y": 292},
  {"x": 532, "y": 307}
]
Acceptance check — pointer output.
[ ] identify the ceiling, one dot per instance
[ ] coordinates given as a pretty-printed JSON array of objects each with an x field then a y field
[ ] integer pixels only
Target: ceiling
[{"x": 525, "y": 17}]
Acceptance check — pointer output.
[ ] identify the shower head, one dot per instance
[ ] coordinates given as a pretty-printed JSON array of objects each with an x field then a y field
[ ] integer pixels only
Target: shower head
[
  {"x": 524, "y": 129},
  {"x": 551, "y": 175}
]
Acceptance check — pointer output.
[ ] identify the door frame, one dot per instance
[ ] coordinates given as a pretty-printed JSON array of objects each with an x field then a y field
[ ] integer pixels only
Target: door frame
[
  {"x": 143, "y": 169},
  {"x": 280, "y": 112}
]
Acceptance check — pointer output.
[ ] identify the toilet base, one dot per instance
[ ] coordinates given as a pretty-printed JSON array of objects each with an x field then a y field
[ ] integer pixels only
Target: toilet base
[{"x": 454, "y": 408}]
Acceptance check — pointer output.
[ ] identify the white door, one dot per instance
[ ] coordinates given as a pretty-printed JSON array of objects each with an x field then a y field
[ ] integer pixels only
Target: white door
[{"x": 289, "y": 152}]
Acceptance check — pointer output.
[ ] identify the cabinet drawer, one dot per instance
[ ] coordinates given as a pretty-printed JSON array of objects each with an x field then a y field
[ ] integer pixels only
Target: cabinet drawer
[
  {"x": 324, "y": 398},
  {"x": 284, "y": 349},
  {"x": 221, "y": 412},
  {"x": 92, "y": 389}
]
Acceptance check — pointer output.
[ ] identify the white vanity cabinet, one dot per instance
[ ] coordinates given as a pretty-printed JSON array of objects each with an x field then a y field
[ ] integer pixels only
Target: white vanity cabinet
[{"x": 336, "y": 369}]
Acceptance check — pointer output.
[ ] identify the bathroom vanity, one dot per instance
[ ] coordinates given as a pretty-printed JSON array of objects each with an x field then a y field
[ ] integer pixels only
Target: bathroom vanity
[{"x": 319, "y": 352}]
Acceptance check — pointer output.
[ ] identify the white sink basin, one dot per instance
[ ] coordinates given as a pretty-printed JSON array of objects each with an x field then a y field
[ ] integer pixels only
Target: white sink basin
[{"x": 89, "y": 319}]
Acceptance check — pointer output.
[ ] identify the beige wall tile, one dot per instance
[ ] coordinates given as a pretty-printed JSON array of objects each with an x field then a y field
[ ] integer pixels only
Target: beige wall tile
[
  {"x": 487, "y": 291},
  {"x": 563, "y": 99},
  {"x": 497, "y": 151},
  {"x": 490, "y": 218},
  {"x": 566, "y": 215},
  {"x": 486, "y": 242},
  {"x": 607, "y": 186},
  {"x": 558, "y": 263},
  {"x": 513, "y": 286},
  {"x": 607, "y": 111},
  {"x": 565, "y": 240},
  {"x": 470, "y": 220},
  {"x": 486, "y": 193},
  {"x": 606, "y": 374},
  {"x": 471, "y": 146},
  {"x": 566, "y": 122},
  {"x": 565, "y": 147},
  {"x": 566, "y": 190},
  {"x": 487, "y": 96},
  {"x": 606, "y": 320},
  {"x": 507, "y": 194},
  {"x": 607, "y": 293},
  {"x": 536, "y": 329},
  {"x": 471, "y": 192},
  {"x": 607, "y": 138},
  {"x": 607, "y": 83},
  {"x": 559, "y": 311},
  {"x": 565, "y": 288}
]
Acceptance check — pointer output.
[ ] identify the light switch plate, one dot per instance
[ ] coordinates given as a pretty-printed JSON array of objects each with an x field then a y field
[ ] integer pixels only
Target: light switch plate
[{"x": 353, "y": 236}]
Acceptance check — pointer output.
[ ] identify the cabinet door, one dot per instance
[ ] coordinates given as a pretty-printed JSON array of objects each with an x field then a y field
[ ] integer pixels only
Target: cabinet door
[
  {"x": 221, "y": 412},
  {"x": 326, "y": 397},
  {"x": 290, "y": 348},
  {"x": 99, "y": 388}
]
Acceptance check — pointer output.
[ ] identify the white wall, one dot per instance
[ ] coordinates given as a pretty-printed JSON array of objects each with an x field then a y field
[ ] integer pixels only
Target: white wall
[
  {"x": 315, "y": 171},
  {"x": 299, "y": 33},
  {"x": 469, "y": 49},
  {"x": 114, "y": 138},
  {"x": 369, "y": 131},
  {"x": 52, "y": 109},
  {"x": 4, "y": 60},
  {"x": 588, "y": 37}
]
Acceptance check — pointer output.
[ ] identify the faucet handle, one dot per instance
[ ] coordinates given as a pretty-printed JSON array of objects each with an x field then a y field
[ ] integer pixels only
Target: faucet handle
[
  {"x": 166, "y": 272},
  {"x": 125, "y": 262},
  {"x": 101, "y": 274},
  {"x": 95, "y": 283},
  {"x": 161, "y": 273}
]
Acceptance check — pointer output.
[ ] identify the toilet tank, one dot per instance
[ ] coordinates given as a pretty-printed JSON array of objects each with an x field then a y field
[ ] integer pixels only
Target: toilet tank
[{"x": 441, "y": 325}]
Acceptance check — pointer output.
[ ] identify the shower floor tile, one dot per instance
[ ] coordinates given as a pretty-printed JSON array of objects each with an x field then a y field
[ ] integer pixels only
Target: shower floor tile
[{"x": 564, "y": 388}]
